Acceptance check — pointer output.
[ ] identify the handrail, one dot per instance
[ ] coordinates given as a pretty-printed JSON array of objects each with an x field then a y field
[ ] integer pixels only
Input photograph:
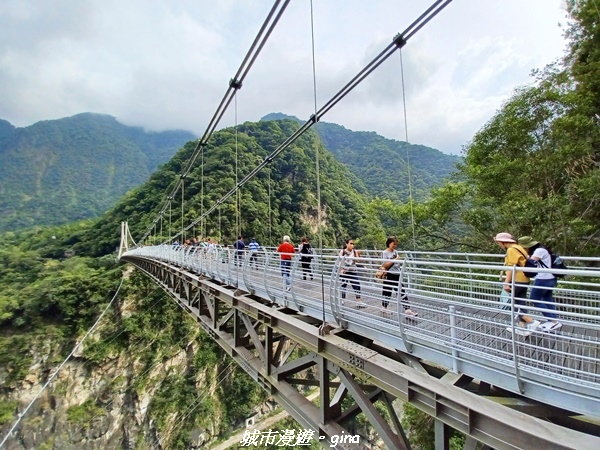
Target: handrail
[{"x": 460, "y": 324}]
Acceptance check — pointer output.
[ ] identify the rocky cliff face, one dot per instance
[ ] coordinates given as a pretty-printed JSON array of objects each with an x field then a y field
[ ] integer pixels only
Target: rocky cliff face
[{"x": 146, "y": 378}]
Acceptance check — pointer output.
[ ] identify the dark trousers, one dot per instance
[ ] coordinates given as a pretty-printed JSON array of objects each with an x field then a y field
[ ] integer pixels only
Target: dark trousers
[
  {"x": 238, "y": 258},
  {"x": 542, "y": 292},
  {"x": 521, "y": 299},
  {"x": 253, "y": 260},
  {"x": 390, "y": 284},
  {"x": 306, "y": 269},
  {"x": 352, "y": 278}
]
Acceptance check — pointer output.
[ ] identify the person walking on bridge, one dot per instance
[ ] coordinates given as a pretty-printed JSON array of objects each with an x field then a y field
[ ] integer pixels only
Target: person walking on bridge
[
  {"x": 211, "y": 247},
  {"x": 516, "y": 256},
  {"x": 239, "y": 250},
  {"x": 348, "y": 272},
  {"x": 306, "y": 257},
  {"x": 286, "y": 250},
  {"x": 391, "y": 282},
  {"x": 543, "y": 283},
  {"x": 254, "y": 246}
]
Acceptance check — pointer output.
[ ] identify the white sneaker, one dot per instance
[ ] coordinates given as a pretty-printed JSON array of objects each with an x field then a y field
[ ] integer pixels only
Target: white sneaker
[
  {"x": 521, "y": 330},
  {"x": 532, "y": 326},
  {"x": 288, "y": 288},
  {"x": 555, "y": 326},
  {"x": 551, "y": 326}
]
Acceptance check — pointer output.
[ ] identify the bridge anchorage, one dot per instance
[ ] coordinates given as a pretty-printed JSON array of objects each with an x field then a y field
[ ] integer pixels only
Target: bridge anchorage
[{"x": 456, "y": 361}]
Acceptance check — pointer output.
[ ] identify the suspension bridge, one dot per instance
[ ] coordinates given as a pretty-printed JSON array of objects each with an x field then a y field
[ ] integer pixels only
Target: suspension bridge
[
  {"x": 459, "y": 360},
  {"x": 456, "y": 360}
]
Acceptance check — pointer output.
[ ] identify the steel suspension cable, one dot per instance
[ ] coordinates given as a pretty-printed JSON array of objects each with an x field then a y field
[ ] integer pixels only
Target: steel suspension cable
[
  {"x": 410, "y": 195},
  {"x": 170, "y": 222},
  {"x": 398, "y": 42},
  {"x": 260, "y": 40},
  {"x": 142, "y": 374},
  {"x": 130, "y": 236}
]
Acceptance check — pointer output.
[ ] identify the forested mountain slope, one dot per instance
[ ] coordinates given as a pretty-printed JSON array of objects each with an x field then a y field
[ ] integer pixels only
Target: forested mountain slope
[
  {"x": 281, "y": 199},
  {"x": 69, "y": 169},
  {"x": 384, "y": 164},
  {"x": 147, "y": 367}
]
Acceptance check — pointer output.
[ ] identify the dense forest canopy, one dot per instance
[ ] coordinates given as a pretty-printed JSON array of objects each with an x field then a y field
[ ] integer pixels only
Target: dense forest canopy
[
  {"x": 532, "y": 169},
  {"x": 385, "y": 166},
  {"x": 279, "y": 200},
  {"x": 58, "y": 171}
]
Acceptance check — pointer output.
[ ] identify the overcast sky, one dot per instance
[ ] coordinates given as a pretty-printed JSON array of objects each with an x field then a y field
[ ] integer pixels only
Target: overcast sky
[{"x": 165, "y": 64}]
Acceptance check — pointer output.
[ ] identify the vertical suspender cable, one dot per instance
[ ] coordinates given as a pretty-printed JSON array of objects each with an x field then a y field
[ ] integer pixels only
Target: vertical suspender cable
[
  {"x": 161, "y": 230},
  {"x": 237, "y": 190},
  {"x": 182, "y": 189},
  {"x": 410, "y": 197},
  {"x": 237, "y": 195},
  {"x": 270, "y": 212},
  {"x": 170, "y": 218},
  {"x": 202, "y": 219},
  {"x": 317, "y": 146}
]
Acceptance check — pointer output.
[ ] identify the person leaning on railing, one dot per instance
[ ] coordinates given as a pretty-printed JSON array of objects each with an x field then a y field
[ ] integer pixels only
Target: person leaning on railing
[{"x": 516, "y": 256}]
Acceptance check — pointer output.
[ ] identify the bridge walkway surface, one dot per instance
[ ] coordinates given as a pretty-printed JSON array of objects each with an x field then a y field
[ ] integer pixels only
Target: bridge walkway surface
[{"x": 461, "y": 325}]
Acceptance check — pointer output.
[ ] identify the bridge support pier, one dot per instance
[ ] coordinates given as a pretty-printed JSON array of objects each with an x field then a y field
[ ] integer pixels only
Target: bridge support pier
[{"x": 442, "y": 435}]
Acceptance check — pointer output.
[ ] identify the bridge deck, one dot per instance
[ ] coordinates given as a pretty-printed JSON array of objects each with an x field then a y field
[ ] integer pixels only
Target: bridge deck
[
  {"x": 460, "y": 324},
  {"x": 573, "y": 350}
]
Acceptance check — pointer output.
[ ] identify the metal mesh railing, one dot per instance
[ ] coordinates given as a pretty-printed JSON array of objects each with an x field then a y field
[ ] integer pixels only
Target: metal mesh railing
[{"x": 456, "y": 297}]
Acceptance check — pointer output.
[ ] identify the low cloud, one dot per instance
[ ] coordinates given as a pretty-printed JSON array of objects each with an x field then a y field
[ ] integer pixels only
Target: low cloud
[{"x": 163, "y": 65}]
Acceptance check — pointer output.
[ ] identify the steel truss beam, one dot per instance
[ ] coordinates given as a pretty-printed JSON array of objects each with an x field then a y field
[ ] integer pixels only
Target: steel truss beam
[{"x": 261, "y": 337}]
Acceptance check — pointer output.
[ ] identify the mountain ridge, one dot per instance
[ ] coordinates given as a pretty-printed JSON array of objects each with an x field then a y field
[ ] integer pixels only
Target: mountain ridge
[
  {"x": 416, "y": 168},
  {"x": 57, "y": 171}
]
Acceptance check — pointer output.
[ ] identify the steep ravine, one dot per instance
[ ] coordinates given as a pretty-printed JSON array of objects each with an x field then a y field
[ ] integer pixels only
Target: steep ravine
[{"x": 146, "y": 378}]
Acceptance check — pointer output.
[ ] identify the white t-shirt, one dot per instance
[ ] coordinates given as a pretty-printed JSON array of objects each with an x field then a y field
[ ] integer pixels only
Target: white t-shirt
[
  {"x": 349, "y": 263},
  {"x": 391, "y": 257},
  {"x": 545, "y": 258}
]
